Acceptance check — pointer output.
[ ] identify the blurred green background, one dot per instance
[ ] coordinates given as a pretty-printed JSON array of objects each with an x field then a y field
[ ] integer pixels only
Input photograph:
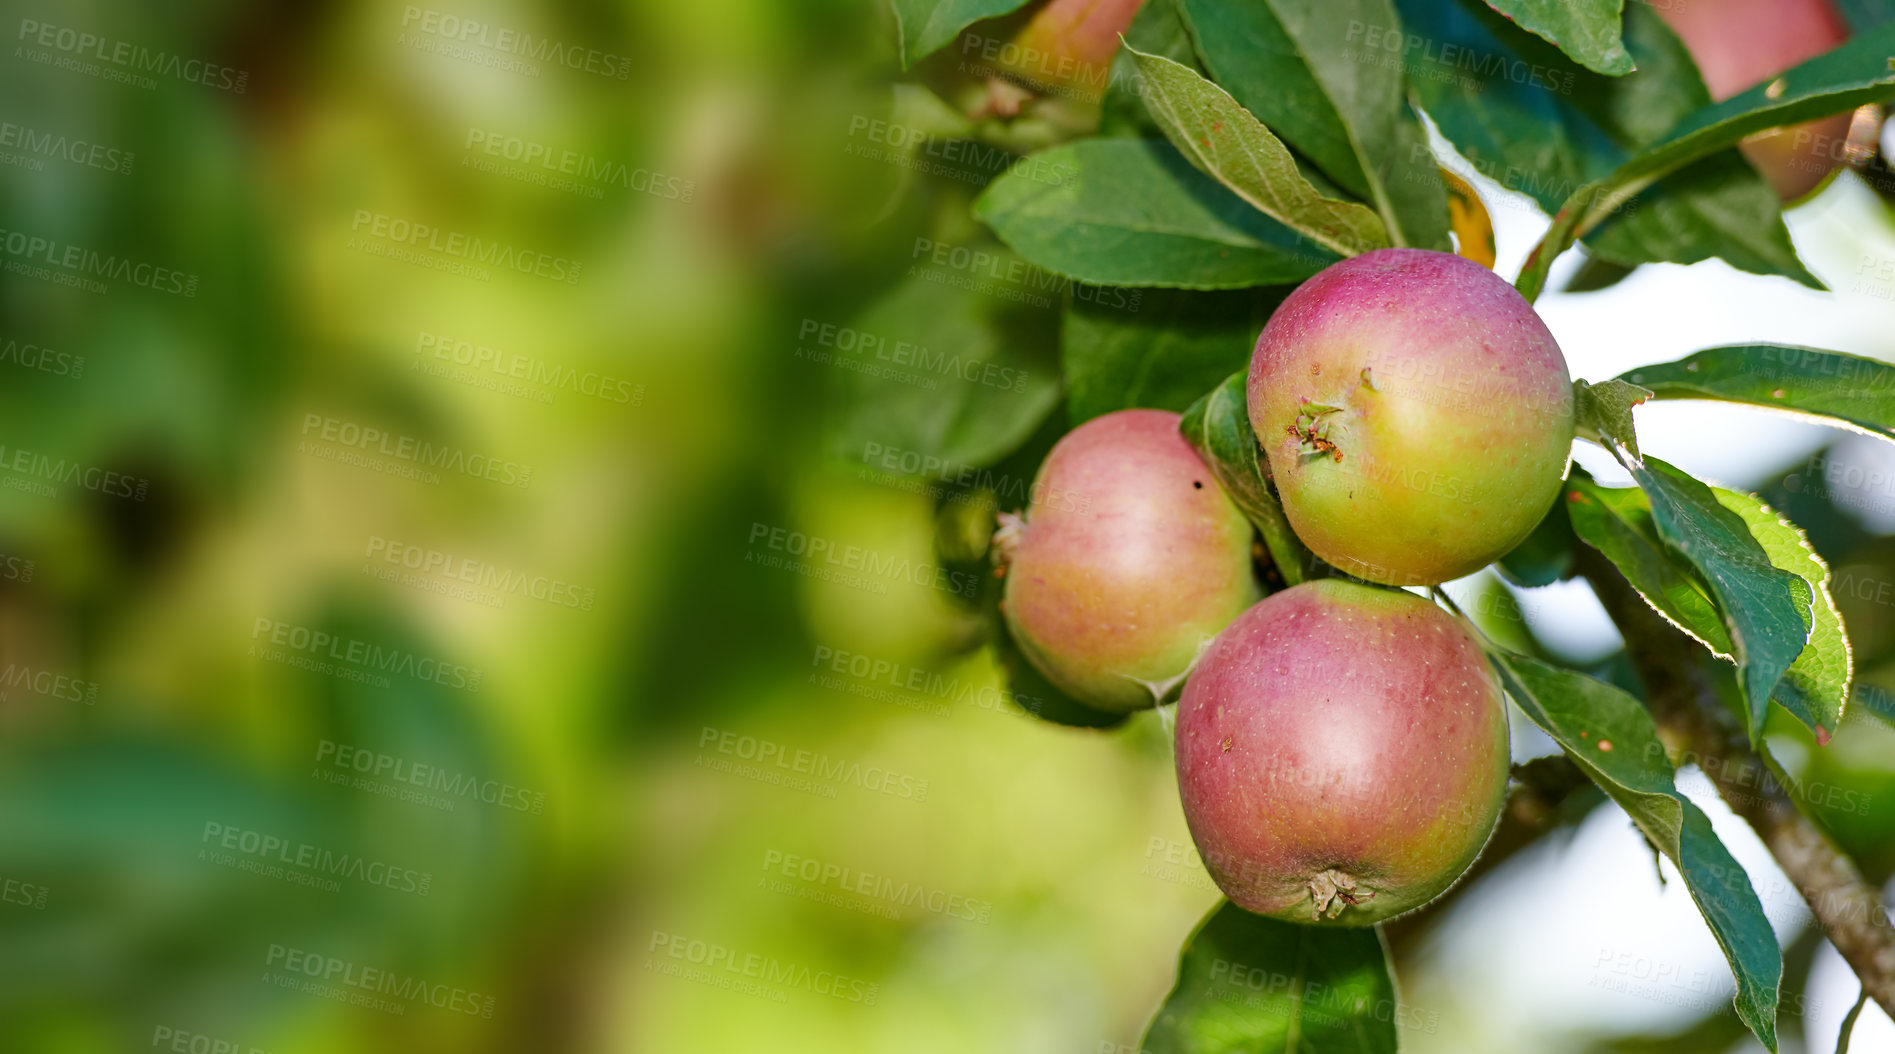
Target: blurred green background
[{"x": 468, "y": 574}]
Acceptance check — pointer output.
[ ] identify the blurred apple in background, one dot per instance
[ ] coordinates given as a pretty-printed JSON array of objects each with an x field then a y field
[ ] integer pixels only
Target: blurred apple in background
[{"x": 1739, "y": 44}]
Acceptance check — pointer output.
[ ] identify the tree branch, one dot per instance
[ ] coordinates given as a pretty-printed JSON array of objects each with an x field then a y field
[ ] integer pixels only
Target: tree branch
[{"x": 1690, "y": 716}]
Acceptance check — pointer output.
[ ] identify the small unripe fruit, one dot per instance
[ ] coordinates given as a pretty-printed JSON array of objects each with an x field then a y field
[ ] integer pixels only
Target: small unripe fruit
[
  {"x": 1416, "y": 413},
  {"x": 1130, "y": 560},
  {"x": 1342, "y": 754},
  {"x": 1070, "y": 44},
  {"x": 1739, "y": 44}
]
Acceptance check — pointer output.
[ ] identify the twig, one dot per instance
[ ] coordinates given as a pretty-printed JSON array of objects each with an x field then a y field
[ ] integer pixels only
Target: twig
[
  {"x": 1849, "y": 1023},
  {"x": 1684, "y": 703}
]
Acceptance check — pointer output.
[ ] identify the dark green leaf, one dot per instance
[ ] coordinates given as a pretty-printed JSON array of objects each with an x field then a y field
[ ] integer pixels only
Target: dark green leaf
[
  {"x": 1816, "y": 686},
  {"x": 1609, "y": 735},
  {"x": 1228, "y": 144},
  {"x": 1587, "y": 30},
  {"x": 1134, "y": 212},
  {"x": 905, "y": 382},
  {"x": 1846, "y": 388},
  {"x": 1547, "y": 554},
  {"x": 1766, "y": 608},
  {"x": 1301, "y": 67},
  {"x": 1605, "y": 409},
  {"x": 1598, "y": 273},
  {"x": 1875, "y": 699},
  {"x": 927, "y": 26},
  {"x": 1157, "y": 29},
  {"x": 1835, "y": 82},
  {"x": 1535, "y": 122},
  {"x": 1617, "y": 521},
  {"x": 1218, "y": 426},
  {"x": 1174, "y": 347},
  {"x": 1864, "y": 15},
  {"x": 1247, "y": 983}
]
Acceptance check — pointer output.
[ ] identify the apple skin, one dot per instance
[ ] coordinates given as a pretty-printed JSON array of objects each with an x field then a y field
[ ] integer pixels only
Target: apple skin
[
  {"x": 1739, "y": 44},
  {"x": 1071, "y": 43},
  {"x": 1130, "y": 560},
  {"x": 1341, "y": 740},
  {"x": 1452, "y": 420}
]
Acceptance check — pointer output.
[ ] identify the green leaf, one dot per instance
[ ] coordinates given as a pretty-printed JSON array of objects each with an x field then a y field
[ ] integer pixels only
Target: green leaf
[
  {"x": 1247, "y": 984},
  {"x": 1835, "y": 82},
  {"x": 1846, "y": 388},
  {"x": 1218, "y": 427},
  {"x": 1174, "y": 347},
  {"x": 1838, "y": 81},
  {"x": 902, "y": 380},
  {"x": 1547, "y": 554},
  {"x": 1588, "y": 30},
  {"x": 1537, "y": 123},
  {"x": 926, "y": 26},
  {"x": 1299, "y": 66},
  {"x": 1157, "y": 29},
  {"x": 1609, "y": 735},
  {"x": 1225, "y": 142},
  {"x": 1617, "y": 521},
  {"x": 1765, "y": 608},
  {"x": 1134, "y": 212},
  {"x": 1816, "y": 687},
  {"x": 1864, "y": 15},
  {"x": 1605, "y": 410}
]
